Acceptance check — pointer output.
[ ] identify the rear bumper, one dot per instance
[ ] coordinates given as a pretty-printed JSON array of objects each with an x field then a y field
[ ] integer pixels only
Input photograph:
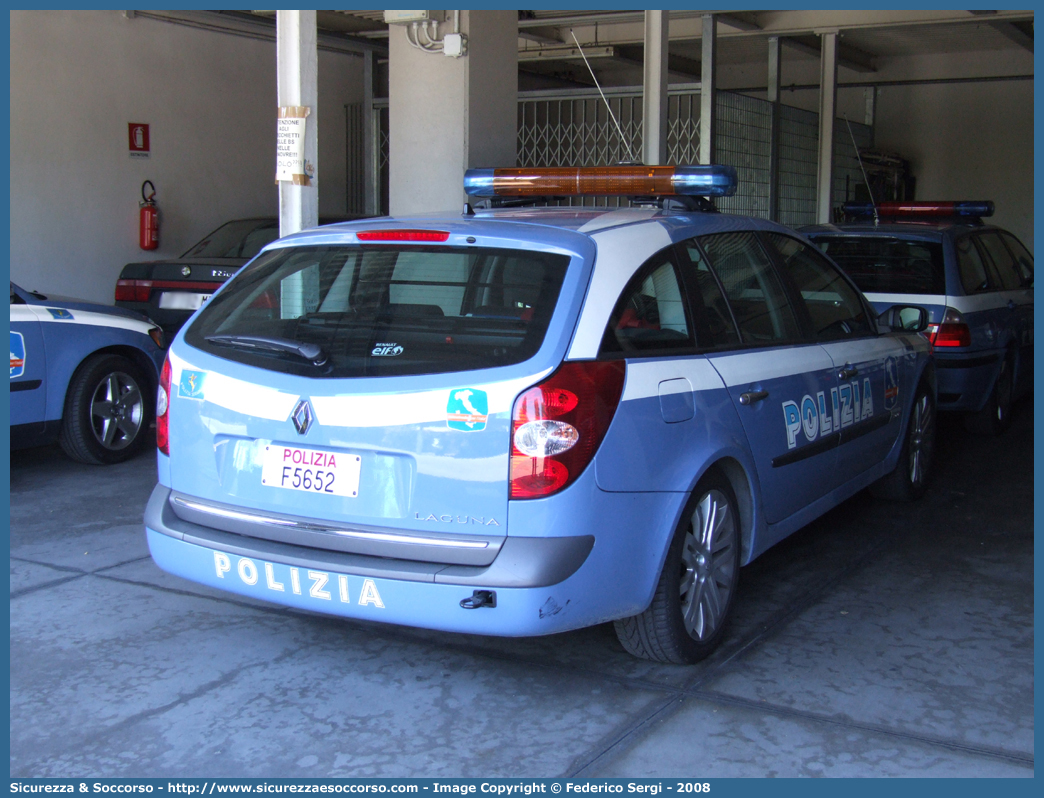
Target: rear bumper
[
  {"x": 965, "y": 381},
  {"x": 543, "y": 584}
]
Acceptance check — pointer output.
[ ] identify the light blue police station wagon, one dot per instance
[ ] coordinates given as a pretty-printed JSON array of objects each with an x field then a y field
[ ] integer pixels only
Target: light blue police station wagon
[{"x": 522, "y": 420}]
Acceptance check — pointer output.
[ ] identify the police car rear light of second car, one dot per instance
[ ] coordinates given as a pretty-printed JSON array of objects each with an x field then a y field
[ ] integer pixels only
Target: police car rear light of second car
[
  {"x": 163, "y": 409},
  {"x": 951, "y": 332},
  {"x": 558, "y": 425},
  {"x": 714, "y": 180}
]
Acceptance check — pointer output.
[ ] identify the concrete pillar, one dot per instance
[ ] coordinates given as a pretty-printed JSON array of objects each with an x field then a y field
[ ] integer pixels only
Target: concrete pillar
[
  {"x": 297, "y": 73},
  {"x": 654, "y": 89},
  {"x": 369, "y": 139},
  {"x": 448, "y": 114},
  {"x": 708, "y": 89},
  {"x": 773, "y": 97},
  {"x": 827, "y": 112}
]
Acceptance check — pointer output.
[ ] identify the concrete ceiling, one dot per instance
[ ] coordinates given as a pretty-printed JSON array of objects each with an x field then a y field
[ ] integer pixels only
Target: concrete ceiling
[{"x": 613, "y": 40}]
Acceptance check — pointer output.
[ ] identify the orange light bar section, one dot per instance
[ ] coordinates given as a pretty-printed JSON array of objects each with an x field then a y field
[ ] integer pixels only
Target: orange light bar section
[
  {"x": 608, "y": 180},
  {"x": 711, "y": 180}
]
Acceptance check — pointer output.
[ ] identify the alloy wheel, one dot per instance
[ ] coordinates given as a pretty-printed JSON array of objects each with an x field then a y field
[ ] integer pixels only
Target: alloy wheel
[
  {"x": 117, "y": 411},
  {"x": 708, "y": 566}
]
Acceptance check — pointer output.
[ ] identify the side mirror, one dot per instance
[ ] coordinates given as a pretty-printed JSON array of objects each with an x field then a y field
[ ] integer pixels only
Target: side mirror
[{"x": 904, "y": 318}]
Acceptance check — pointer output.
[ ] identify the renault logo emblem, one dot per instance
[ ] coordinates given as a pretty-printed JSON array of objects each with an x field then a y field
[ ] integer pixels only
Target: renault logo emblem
[{"x": 302, "y": 416}]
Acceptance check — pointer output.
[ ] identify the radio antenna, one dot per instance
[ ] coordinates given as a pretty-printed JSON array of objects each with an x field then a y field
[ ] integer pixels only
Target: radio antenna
[
  {"x": 612, "y": 116},
  {"x": 869, "y": 191}
]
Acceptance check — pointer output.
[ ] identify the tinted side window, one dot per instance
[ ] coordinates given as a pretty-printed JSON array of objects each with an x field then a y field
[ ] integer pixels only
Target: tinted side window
[
  {"x": 833, "y": 305},
  {"x": 1003, "y": 264},
  {"x": 759, "y": 304},
  {"x": 650, "y": 314},
  {"x": 888, "y": 265},
  {"x": 972, "y": 269},
  {"x": 1023, "y": 258},
  {"x": 715, "y": 327}
]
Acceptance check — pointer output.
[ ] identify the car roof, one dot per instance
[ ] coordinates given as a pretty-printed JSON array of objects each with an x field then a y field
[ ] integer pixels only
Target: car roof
[
  {"x": 924, "y": 231},
  {"x": 537, "y": 222}
]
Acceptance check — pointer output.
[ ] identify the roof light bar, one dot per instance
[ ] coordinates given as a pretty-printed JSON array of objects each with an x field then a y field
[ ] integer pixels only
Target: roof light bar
[
  {"x": 402, "y": 235},
  {"x": 920, "y": 209},
  {"x": 708, "y": 181}
]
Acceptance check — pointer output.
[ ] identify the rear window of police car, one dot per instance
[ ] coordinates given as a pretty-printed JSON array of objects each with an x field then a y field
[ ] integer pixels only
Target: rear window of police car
[
  {"x": 878, "y": 264},
  {"x": 386, "y": 310}
]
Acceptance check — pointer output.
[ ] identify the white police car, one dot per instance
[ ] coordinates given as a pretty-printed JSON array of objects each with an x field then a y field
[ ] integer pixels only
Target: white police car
[
  {"x": 975, "y": 281},
  {"x": 520, "y": 421},
  {"x": 83, "y": 374}
]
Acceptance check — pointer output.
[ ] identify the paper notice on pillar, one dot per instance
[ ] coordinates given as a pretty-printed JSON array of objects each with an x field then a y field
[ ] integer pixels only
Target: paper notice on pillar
[{"x": 290, "y": 145}]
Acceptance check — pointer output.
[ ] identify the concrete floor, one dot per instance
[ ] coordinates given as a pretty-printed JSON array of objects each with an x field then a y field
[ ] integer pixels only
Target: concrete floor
[{"x": 881, "y": 640}]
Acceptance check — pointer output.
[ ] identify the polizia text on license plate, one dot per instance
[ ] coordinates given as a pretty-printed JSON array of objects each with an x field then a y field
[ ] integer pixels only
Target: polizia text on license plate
[{"x": 335, "y": 473}]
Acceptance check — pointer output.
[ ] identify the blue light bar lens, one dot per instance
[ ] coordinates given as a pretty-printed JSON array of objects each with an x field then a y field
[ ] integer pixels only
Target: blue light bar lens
[
  {"x": 715, "y": 180},
  {"x": 479, "y": 183}
]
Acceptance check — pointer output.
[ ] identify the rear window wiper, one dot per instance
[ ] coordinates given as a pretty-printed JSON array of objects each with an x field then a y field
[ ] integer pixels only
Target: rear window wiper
[{"x": 311, "y": 352}]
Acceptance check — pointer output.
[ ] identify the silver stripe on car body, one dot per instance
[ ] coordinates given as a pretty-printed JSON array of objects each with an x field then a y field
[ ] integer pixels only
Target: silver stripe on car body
[
  {"x": 861, "y": 349},
  {"x": 989, "y": 300},
  {"x": 620, "y": 253},
  {"x": 906, "y": 299},
  {"x": 644, "y": 377},
  {"x": 753, "y": 366},
  {"x": 29, "y": 313}
]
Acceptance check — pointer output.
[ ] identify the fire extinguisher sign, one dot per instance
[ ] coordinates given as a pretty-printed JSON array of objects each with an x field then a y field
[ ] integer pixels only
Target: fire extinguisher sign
[{"x": 138, "y": 137}]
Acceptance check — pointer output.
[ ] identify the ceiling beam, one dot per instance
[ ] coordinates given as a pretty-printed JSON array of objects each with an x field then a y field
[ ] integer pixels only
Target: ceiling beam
[
  {"x": 786, "y": 23},
  {"x": 1016, "y": 32},
  {"x": 678, "y": 64},
  {"x": 541, "y": 35},
  {"x": 565, "y": 53},
  {"x": 848, "y": 57}
]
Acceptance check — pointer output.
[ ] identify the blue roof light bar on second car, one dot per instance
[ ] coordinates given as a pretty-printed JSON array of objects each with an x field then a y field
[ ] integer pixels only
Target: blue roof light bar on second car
[
  {"x": 714, "y": 180},
  {"x": 914, "y": 210}
]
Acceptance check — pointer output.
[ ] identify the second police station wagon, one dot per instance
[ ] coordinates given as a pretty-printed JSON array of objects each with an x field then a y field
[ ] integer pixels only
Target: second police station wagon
[
  {"x": 975, "y": 281},
  {"x": 521, "y": 421}
]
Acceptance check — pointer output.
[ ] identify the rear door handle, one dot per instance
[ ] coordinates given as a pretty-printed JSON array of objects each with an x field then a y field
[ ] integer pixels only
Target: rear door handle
[
  {"x": 846, "y": 373},
  {"x": 750, "y": 397}
]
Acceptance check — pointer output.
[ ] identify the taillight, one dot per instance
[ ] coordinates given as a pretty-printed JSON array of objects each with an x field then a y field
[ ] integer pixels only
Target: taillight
[
  {"x": 163, "y": 409},
  {"x": 557, "y": 426},
  {"x": 951, "y": 332},
  {"x": 133, "y": 290}
]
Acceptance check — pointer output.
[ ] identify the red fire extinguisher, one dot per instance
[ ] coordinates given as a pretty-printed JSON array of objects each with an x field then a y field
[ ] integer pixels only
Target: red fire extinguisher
[{"x": 148, "y": 218}]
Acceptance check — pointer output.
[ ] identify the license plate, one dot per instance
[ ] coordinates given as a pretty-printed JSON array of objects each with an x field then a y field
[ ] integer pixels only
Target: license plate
[
  {"x": 182, "y": 300},
  {"x": 310, "y": 470}
]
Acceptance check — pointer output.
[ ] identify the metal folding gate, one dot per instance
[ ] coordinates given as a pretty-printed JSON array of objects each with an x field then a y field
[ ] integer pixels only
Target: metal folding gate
[{"x": 573, "y": 128}]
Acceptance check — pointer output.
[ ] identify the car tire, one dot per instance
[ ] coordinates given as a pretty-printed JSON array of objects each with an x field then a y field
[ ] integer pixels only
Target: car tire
[
  {"x": 911, "y": 475},
  {"x": 690, "y": 609},
  {"x": 108, "y": 408},
  {"x": 995, "y": 416}
]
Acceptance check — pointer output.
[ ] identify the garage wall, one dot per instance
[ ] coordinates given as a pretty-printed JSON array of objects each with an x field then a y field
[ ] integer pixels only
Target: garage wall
[
  {"x": 963, "y": 140},
  {"x": 78, "y": 78},
  {"x": 966, "y": 141}
]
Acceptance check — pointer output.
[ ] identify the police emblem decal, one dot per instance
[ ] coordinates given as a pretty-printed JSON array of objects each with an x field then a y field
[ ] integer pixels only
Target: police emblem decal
[
  {"x": 190, "y": 386},
  {"x": 891, "y": 374},
  {"x": 17, "y": 354},
  {"x": 302, "y": 417}
]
